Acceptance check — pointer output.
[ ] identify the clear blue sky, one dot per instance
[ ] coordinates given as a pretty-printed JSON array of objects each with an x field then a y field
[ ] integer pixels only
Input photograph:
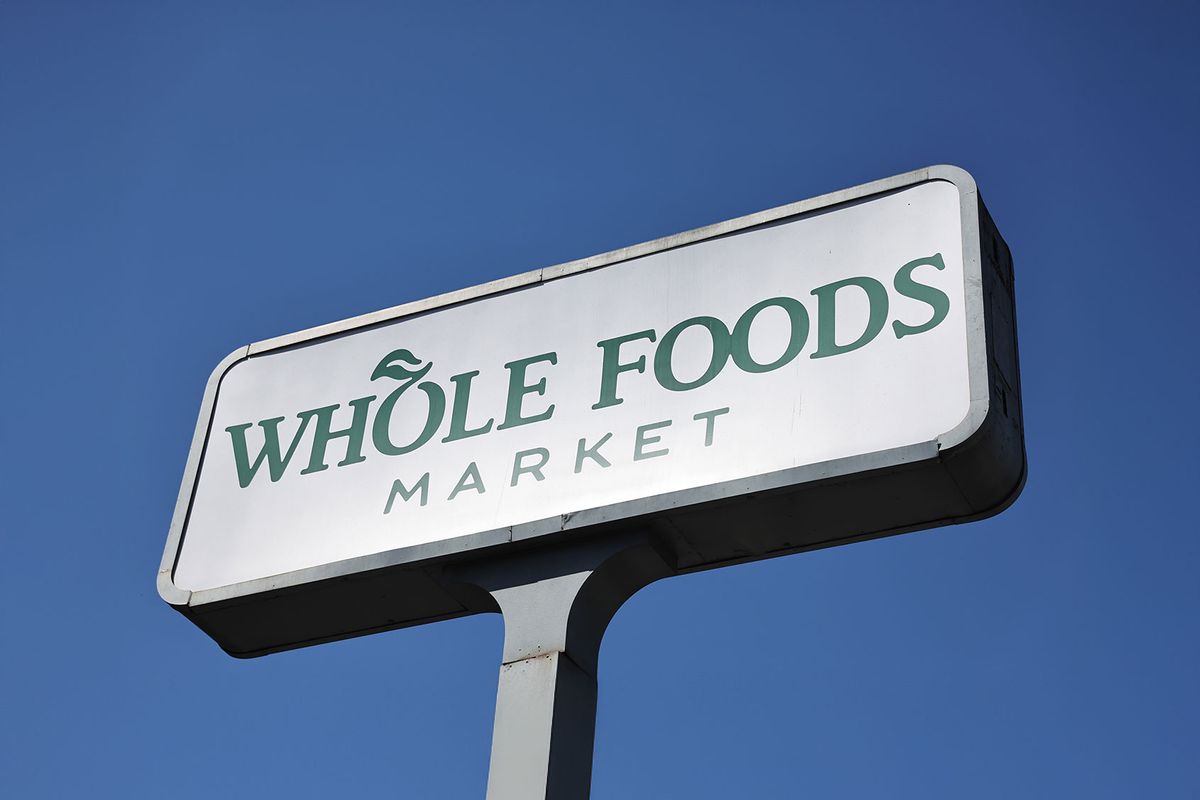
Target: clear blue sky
[{"x": 177, "y": 179}]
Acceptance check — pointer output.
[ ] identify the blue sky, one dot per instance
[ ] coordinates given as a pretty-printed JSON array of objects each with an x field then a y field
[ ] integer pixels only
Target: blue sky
[{"x": 179, "y": 179}]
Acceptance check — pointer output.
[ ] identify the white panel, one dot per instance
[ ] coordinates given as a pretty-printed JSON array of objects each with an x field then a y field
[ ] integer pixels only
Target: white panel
[{"x": 888, "y": 393}]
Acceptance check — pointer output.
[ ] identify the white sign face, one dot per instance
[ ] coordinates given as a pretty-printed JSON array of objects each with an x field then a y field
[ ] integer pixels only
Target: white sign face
[{"x": 835, "y": 334}]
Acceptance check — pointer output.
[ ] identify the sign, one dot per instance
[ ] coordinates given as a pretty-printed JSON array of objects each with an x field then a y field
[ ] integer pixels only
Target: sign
[{"x": 836, "y": 369}]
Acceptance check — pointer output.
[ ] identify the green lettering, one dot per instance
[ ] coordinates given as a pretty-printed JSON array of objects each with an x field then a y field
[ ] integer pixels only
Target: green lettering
[
  {"x": 641, "y": 440},
  {"x": 517, "y": 389},
  {"x": 354, "y": 434},
  {"x": 398, "y": 488},
  {"x": 710, "y": 418},
  {"x": 475, "y": 482},
  {"x": 582, "y": 451},
  {"x": 276, "y": 464},
  {"x": 381, "y": 429},
  {"x": 740, "y": 345},
  {"x": 720, "y": 353},
  {"x": 458, "y": 415},
  {"x": 519, "y": 467},
  {"x": 612, "y": 367},
  {"x": 877, "y": 300},
  {"x": 934, "y": 298}
]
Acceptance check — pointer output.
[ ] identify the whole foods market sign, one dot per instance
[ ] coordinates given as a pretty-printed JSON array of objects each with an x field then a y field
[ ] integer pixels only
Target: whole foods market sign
[
  {"x": 820, "y": 338},
  {"x": 696, "y": 369}
]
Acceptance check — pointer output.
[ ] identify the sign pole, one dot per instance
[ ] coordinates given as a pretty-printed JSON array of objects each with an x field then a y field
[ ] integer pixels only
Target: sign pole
[
  {"x": 555, "y": 611},
  {"x": 545, "y": 700}
]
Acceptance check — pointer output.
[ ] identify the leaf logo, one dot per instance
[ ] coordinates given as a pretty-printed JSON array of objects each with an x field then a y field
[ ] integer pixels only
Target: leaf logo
[{"x": 393, "y": 366}]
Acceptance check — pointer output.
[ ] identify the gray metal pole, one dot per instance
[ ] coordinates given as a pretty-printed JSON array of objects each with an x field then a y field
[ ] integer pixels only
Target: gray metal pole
[
  {"x": 545, "y": 701},
  {"x": 555, "y": 612}
]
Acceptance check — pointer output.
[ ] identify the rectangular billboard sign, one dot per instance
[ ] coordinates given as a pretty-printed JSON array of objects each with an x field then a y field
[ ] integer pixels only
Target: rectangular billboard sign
[{"x": 727, "y": 390}]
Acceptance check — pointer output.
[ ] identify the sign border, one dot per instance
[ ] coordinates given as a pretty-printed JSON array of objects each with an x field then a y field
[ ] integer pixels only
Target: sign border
[{"x": 971, "y": 212}]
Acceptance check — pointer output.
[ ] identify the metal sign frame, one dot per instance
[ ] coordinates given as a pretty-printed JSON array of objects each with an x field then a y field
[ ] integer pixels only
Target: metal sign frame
[{"x": 973, "y": 471}]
